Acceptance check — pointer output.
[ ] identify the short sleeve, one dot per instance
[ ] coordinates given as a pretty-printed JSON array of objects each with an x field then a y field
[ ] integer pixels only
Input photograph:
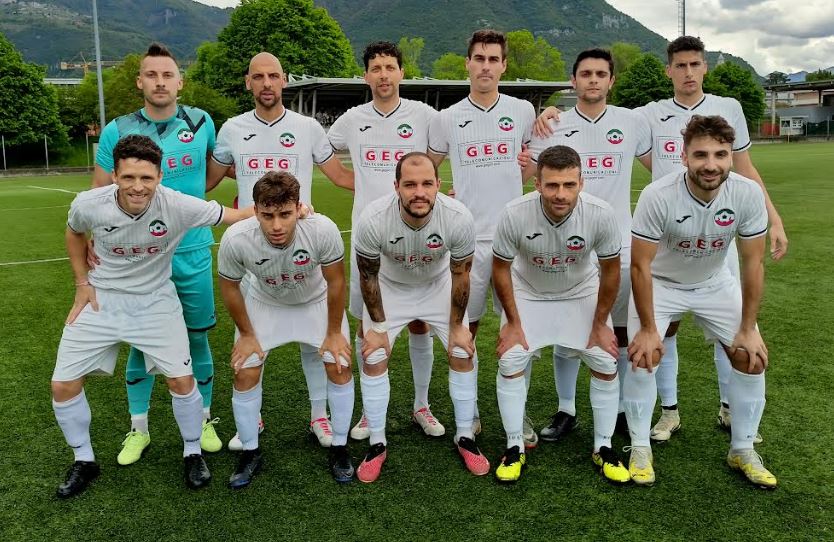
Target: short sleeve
[
  {"x": 609, "y": 241},
  {"x": 331, "y": 246},
  {"x": 222, "y": 153},
  {"x": 77, "y": 220},
  {"x": 505, "y": 243},
  {"x": 647, "y": 223},
  {"x": 229, "y": 263},
  {"x": 538, "y": 145},
  {"x": 322, "y": 150},
  {"x": 530, "y": 120},
  {"x": 644, "y": 134},
  {"x": 739, "y": 123},
  {"x": 463, "y": 238},
  {"x": 438, "y": 138},
  {"x": 337, "y": 135},
  {"x": 754, "y": 222},
  {"x": 366, "y": 238},
  {"x": 211, "y": 133},
  {"x": 104, "y": 153},
  {"x": 197, "y": 212}
]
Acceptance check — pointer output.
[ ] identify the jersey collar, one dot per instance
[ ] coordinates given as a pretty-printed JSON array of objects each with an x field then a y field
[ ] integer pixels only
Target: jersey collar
[
  {"x": 696, "y": 199},
  {"x": 274, "y": 122},
  {"x": 130, "y": 215},
  {"x": 487, "y": 109},
  {"x": 687, "y": 108},
  {"x": 550, "y": 220},
  {"x": 386, "y": 115},
  {"x": 589, "y": 119}
]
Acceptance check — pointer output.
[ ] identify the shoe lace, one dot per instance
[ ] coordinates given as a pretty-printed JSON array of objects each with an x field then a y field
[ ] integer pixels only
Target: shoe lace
[
  {"x": 641, "y": 455},
  {"x": 131, "y": 436},
  {"x": 427, "y": 415},
  {"x": 363, "y": 423},
  {"x": 324, "y": 424},
  {"x": 752, "y": 458},
  {"x": 209, "y": 423}
]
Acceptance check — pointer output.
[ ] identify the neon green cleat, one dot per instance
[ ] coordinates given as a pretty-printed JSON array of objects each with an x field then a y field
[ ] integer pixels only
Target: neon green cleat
[
  {"x": 511, "y": 465},
  {"x": 209, "y": 441},
  {"x": 750, "y": 463},
  {"x": 640, "y": 465},
  {"x": 133, "y": 447},
  {"x": 610, "y": 465}
]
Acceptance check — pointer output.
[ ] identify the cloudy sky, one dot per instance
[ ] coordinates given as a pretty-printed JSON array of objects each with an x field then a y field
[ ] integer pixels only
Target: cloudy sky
[{"x": 784, "y": 35}]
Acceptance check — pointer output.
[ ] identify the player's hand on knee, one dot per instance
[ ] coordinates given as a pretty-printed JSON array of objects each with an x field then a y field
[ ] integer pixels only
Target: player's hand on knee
[
  {"x": 509, "y": 336},
  {"x": 336, "y": 349},
  {"x": 645, "y": 348},
  {"x": 460, "y": 341},
  {"x": 92, "y": 258},
  {"x": 244, "y": 347},
  {"x": 604, "y": 337},
  {"x": 374, "y": 341},
  {"x": 778, "y": 241},
  {"x": 523, "y": 157},
  {"x": 84, "y": 295},
  {"x": 542, "y": 127},
  {"x": 750, "y": 347}
]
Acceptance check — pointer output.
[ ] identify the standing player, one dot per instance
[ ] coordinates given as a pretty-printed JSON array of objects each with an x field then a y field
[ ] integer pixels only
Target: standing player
[
  {"x": 186, "y": 136},
  {"x": 607, "y": 138},
  {"x": 545, "y": 248},
  {"x": 482, "y": 135},
  {"x": 406, "y": 244},
  {"x": 378, "y": 134},
  {"x": 298, "y": 294},
  {"x": 273, "y": 138},
  {"x": 683, "y": 226},
  {"x": 129, "y": 297}
]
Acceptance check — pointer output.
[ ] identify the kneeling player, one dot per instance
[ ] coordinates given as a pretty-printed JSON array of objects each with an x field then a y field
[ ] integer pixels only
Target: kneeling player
[
  {"x": 297, "y": 295},
  {"x": 683, "y": 226},
  {"x": 552, "y": 294},
  {"x": 129, "y": 297},
  {"x": 406, "y": 244}
]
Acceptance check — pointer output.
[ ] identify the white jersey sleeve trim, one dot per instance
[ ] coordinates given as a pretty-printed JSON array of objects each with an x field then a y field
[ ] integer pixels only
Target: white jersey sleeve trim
[{"x": 645, "y": 237}]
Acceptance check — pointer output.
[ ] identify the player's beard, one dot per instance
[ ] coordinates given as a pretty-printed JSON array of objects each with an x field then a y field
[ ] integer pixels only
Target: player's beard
[
  {"x": 407, "y": 209},
  {"x": 159, "y": 100},
  {"x": 697, "y": 177},
  {"x": 276, "y": 102}
]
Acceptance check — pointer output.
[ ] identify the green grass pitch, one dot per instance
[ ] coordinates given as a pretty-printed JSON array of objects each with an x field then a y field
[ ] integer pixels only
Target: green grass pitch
[{"x": 424, "y": 492}]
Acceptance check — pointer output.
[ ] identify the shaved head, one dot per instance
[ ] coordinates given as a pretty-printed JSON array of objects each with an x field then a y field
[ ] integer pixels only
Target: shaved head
[
  {"x": 264, "y": 60},
  {"x": 266, "y": 80}
]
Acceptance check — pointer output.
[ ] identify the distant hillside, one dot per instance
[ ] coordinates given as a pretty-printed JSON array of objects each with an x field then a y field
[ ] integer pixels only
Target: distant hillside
[{"x": 799, "y": 77}]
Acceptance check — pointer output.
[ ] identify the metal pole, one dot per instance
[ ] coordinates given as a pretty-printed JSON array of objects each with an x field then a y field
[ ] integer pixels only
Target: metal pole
[
  {"x": 46, "y": 152},
  {"x": 87, "y": 146},
  {"x": 773, "y": 112},
  {"x": 99, "y": 80},
  {"x": 3, "y": 140}
]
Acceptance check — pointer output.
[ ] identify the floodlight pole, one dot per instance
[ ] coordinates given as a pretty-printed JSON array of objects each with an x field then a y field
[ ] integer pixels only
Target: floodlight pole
[
  {"x": 98, "y": 67},
  {"x": 682, "y": 17}
]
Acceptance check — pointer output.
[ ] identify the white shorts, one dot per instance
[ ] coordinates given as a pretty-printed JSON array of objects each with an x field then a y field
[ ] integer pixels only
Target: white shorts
[
  {"x": 619, "y": 311},
  {"x": 563, "y": 323},
  {"x": 277, "y": 325},
  {"x": 152, "y": 323},
  {"x": 355, "y": 302},
  {"x": 480, "y": 280},
  {"x": 732, "y": 260},
  {"x": 716, "y": 308},
  {"x": 429, "y": 302}
]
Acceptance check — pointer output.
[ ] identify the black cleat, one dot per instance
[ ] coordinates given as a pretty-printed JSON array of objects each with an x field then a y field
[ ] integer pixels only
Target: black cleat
[
  {"x": 79, "y": 476},
  {"x": 248, "y": 466},
  {"x": 561, "y": 424},
  {"x": 622, "y": 425},
  {"x": 341, "y": 466},
  {"x": 197, "y": 474}
]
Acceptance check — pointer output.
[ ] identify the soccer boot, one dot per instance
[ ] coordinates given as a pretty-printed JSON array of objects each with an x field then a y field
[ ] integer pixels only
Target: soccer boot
[
  {"x": 235, "y": 445},
  {"x": 428, "y": 423},
  {"x": 750, "y": 463},
  {"x": 531, "y": 439},
  {"x": 79, "y": 476},
  {"x": 610, "y": 465},
  {"x": 368, "y": 471},
  {"x": 669, "y": 422},
  {"x": 622, "y": 425},
  {"x": 725, "y": 421},
  {"x": 360, "y": 431},
  {"x": 197, "y": 474},
  {"x": 340, "y": 464},
  {"x": 248, "y": 465},
  {"x": 209, "y": 441},
  {"x": 322, "y": 431},
  {"x": 640, "y": 465},
  {"x": 560, "y": 425},
  {"x": 133, "y": 447},
  {"x": 512, "y": 463},
  {"x": 475, "y": 461}
]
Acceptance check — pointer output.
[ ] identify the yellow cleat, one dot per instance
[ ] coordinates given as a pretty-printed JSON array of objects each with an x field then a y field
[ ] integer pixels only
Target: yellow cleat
[
  {"x": 209, "y": 441},
  {"x": 509, "y": 470},
  {"x": 750, "y": 463},
  {"x": 610, "y": 465},
  {"x": 133, "y": 447},
  {"x": 640, "y": 465}
]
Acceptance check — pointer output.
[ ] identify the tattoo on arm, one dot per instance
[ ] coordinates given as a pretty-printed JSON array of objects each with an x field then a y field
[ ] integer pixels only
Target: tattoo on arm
[
  {"x": 369, "y": 283},
  {"x": 460, "y": 288}
]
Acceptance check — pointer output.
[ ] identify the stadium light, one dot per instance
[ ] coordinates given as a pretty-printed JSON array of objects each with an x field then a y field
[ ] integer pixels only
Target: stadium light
[
  {"x": 682, "y": 17},
  {"x": 98, "y": 67}
]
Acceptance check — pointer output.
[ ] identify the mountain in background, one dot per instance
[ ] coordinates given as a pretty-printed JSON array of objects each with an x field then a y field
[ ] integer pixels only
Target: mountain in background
[
  {"x": 49, "y": 31},
  {"x": 799, "y": 77}
]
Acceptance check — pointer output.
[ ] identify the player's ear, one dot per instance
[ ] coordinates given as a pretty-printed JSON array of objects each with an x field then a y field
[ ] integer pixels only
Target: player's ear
[{"x": 248, "y": 82}]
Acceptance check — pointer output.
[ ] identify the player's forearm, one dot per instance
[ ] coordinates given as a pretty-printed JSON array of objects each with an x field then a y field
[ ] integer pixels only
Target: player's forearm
[
  {"x": 335, "y": 304},
  {"x": 233, "y": 300},
  {"x": 502, "y": 281},
  {"x": 460, "y": 289},
  {"x": 215, "y": 173},
  {"x": 752, "y": 288},
  {"x": 609, "y": 286},
  {"x": 369, "y": 284},
  {"x": 77, "y": 252},
  {"x": 101, "y": 177},
  {"x": 641, "y": 285},
  {"x": 230, "y": 216},
  {"x": 338, "y": 173}
]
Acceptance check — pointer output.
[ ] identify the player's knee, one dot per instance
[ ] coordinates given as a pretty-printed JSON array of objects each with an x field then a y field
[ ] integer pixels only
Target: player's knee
[
  {"x": 604, "y": 376},
  {"x": 181, "y": 385},
  {"x": 247, "y": 378},
  {"x": 376, "y": 363},
  {"x": 418, "y": 327},
  {"x": 460, "y": 363},
  {"x": 514, "y": 361},
  {"x": 740, "y": 361},
  {"x": 336, "y": 377},
  {"x": 64, "y": 391},
  {"x": 672, "y": 330}
]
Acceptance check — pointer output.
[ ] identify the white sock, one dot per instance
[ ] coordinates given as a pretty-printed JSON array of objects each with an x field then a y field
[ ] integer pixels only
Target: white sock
[
  {"x": 747, "y": 401},
  {"x": 724, "y": 370},
  {"x": 463, "y": 390},
  {"x": 73, "y": 418},
  {"x": 565, "y": 371},
  {"x": 316, "y": 378},
  {"x": 340, "y": 397},
  {"x": 376, "y": 392},
  {"x": 639, "y": 397},
  {"x": 139, "y": 422},
  {"x": 246, "y": 406},
  {"x": 512, "y": 398},
  {"x": 667, "y": 373},
  {"x": 421, "y": 352},
  {"x": 604, "y": 400},
  {"x": 476, "y": 415},
  {"x": 623, "y": 365},
  {"x": 188, "y": 411},
  {"x": 206, "y": 413}
]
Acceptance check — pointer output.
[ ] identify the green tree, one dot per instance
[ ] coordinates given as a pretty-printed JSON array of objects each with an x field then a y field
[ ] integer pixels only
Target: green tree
[
  {"x": 304, "y": 37},
  {"x": 531, "y": 58},
  {"x": 28, "y": 106},
  {"x": 449, "y": 66},
  {"x": 776, "y": 78},
  {"x": 625, "y": 54},
  {"x": 732, "y": 80},
  {"x": 643, "y": 82},
  {"x": 197, "y": 94},
  {"x": 411, "y": 49},
  {"x": 819, "y": 75}
]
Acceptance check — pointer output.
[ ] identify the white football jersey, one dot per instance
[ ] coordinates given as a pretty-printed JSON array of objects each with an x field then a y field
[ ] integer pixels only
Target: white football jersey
[
  {"x": 692, "y": 235},
  {"x": 668, "y": 118},
  {"x": 289, "y": 275},
  {"x": 412, "y": 256},
  {"x": 607, "y": 146},
  {"x": 376, "y": 142},
  {"x": 556, "y": 261},
  {"x": 292, "y": 143},
  {"x": 135, "y": 252},
  {"x": 483, "y": 146}
]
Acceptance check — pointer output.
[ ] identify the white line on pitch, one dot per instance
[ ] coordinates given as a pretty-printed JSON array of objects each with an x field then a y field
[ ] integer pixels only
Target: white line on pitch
[
  {"x": 2, "y": 264},
  {"x": 36, "y": 208},
  {"x": 53, "y": 189}
]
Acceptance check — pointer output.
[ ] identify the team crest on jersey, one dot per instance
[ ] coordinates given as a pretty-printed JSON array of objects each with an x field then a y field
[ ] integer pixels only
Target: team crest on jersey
[
  {"x": 301, "y": 257},
  {"x": 286, "y": 139},
  {"x": 405, "y": 131},
  {"x": 725, "y": 217},
  {"x": 185, "y": 135},
  {"x": 434, "y": 241},
  {"x": 158, "y": 228},
  {"x": 614, "y": 136},
  {"x": 575, "y": 243},
  {"x": 506, "y": 123}
]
